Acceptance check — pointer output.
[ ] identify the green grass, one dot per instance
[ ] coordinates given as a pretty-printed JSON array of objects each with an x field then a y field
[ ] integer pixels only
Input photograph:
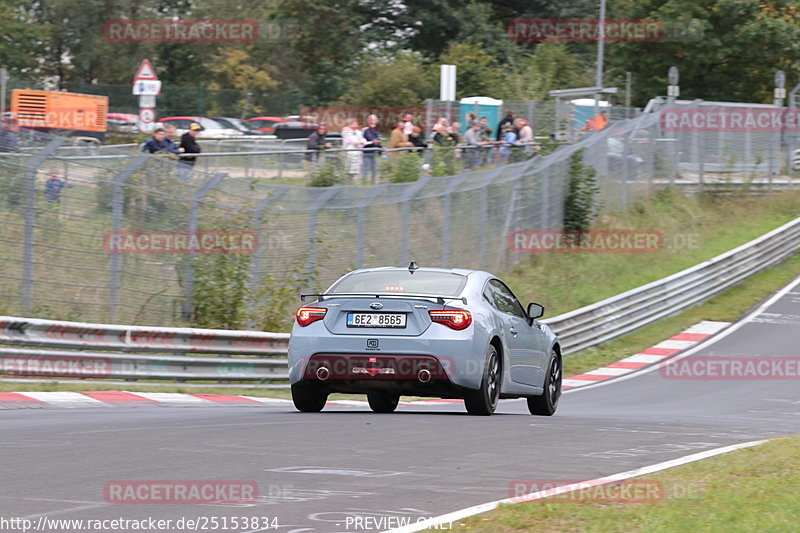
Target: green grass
[
  {"x": 694, "y": 231},
  {"x": 727, "y": 306},
  {"x": 749, "y": 490}
]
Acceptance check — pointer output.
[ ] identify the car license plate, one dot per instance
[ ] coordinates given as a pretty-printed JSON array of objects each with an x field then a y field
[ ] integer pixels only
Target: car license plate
[{"x": 376, "y": 320}]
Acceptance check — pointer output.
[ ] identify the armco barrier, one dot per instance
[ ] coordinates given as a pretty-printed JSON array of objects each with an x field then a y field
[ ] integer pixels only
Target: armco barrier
[
  {"x": 615, "y": 316},
  {"x": 47, "y": 348}
]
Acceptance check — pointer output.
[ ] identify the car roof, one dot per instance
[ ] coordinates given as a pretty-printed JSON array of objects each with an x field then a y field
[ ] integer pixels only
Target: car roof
[
  {"x": 462, "y": 271},
  {"x": 264, "y": 118}
]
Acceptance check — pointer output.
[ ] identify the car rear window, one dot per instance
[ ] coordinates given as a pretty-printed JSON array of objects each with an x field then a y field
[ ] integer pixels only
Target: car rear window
[{"x": 402, "y": 281}]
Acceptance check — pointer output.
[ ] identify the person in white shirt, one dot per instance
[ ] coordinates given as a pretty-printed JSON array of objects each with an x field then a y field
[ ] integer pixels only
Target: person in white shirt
[{"x": 353, "y": 141}]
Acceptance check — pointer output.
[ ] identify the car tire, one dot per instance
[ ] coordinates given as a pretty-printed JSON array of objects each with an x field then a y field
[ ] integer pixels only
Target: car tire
[
  {"x": 483, "y": 401},
  {"x": 308, "y": 397},
  {"x": 546, "y": 404},
  {"x": 383, "y": 402}
]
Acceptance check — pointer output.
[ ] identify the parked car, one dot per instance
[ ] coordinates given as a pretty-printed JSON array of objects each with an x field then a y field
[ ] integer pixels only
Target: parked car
[
  {"x": 237, "y": 124},
  {"x": 447, "y": 333},
  {"x": 211, "y": 128},
  {"x": 265, "y": 125},
  {"x": 123, "y": 122}
]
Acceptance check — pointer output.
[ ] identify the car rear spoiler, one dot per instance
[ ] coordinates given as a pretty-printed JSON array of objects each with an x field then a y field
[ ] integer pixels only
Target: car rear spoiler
[{"x": 439, "y": 299}]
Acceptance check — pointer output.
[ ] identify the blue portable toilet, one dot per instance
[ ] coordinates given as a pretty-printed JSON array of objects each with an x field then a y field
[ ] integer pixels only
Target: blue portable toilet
[{"x": 481, "y": 106}]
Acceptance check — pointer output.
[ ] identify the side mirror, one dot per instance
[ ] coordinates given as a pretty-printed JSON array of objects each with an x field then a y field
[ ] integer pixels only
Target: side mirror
[{"x": 535, "y": 311}]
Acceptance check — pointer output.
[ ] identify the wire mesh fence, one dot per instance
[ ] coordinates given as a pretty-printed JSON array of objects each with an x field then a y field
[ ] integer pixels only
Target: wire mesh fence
[{"x": 121, "y": 236}]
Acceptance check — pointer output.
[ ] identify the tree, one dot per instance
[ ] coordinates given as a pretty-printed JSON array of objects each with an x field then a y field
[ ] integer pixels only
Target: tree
[
  {"x": 476, "y": 72},
  {"x": 19, "y": 33},
  {"x": 404, "y": 81},
  {"x": 734, "y": 57},
  {"x": 551, "y": 66}
]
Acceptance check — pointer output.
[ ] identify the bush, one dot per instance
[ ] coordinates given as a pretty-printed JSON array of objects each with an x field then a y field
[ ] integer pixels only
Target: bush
[
  {"x": 403, "y": 168},
  {"x": 444, "y": 161},
  {"x": 327, "y": 174},
  {"x": 580, "y": 205}
]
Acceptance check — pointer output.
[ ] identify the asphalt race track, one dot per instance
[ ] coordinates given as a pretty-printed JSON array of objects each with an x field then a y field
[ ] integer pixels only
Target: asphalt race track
[{"x": 318, "y": 472}]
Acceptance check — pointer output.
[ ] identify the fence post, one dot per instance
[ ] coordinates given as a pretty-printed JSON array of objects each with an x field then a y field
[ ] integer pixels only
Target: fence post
[
  {"x": 484, "y": 213},
  {"x": 313, "y": 223},
  {"x": 194, "y": 215},
  {"x": 255, "y": 266},
  {"x": 448, "y": 200},
  {"x": 117, "y": 212},
  {"x": 362, "y": 221},
  {"x": 544, "y": 221},
  {"x": 626, "y": 154},
  {"x": 413, "y": 190},
  {"x": 31, "y": 170}
]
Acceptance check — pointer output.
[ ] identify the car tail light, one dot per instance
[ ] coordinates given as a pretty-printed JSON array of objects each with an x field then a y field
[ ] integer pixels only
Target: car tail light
[
  {"x": 452, "y": 319},
  {"x": 307, "y": 315}
]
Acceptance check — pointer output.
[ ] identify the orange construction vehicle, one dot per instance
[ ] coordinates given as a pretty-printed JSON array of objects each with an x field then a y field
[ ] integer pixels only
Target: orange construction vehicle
[{"x": 55, "y": 111}]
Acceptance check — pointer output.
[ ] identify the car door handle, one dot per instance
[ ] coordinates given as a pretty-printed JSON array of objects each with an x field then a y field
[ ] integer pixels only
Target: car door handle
[{"x": 513, "y": 331}]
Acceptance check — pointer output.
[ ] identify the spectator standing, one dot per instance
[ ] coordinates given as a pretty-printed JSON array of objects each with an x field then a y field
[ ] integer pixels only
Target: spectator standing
[
  {"x": 53, "y": 187},
  {"x": 408, "y": 122},
  {"x": 442, "y": 137},
  {"x": 508, "y": 119},
  {"x": 475, "y": 143},
  {"x": 352, "y": 141},
  {"x": 189, "y": 146},
  {"x": 455, "y": 132},
  {"x": 317, "y": 142},
  {"x": 9, "y": 134},
  {"x": 597, "y": 123},
  {"x": 509, "y": 138},
  {"x": 372, "y": 147},
  {"x": 399, "y": 139},
  {"x": 160, "y": 143},
  {"x": 415, "y": 139}
]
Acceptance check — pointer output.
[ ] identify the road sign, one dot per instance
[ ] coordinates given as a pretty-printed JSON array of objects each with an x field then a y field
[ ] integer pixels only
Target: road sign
[
  {"x": 147, "y": 87},
  {"x": 145, "y": 72},
  {"x": 780, "y": 79},
  {"x": 147, "y": 115},
  {"x": 147, "y": 100},
  {"x": 780, "y": 93},
  {"x": 673, "y": 76},
  {"x": 673, "y": 91}
]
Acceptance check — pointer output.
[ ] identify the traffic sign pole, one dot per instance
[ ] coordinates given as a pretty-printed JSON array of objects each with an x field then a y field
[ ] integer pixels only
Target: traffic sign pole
[{"x": 147, "y": 86}]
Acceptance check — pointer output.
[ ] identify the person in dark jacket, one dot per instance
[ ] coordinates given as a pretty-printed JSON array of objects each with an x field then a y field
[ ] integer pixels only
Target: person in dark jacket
[
  {"x": 189, "y": 146},
  {"x": 317, "y": 142},
  {"x": 160, "y": 143},
  {"x": 508, "y": 119}
]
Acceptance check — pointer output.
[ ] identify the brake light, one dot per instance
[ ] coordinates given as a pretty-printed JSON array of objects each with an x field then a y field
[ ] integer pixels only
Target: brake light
[
  {"x": 307, "y": 315},
  {"x": 452, "y": 319}
]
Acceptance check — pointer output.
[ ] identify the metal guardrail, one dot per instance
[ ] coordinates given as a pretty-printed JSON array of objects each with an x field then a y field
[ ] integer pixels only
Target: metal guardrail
[
  {"x": 54, "y": 349},
  {"x": 48, "y": 348},
  {"x": 626, "y": 312}
]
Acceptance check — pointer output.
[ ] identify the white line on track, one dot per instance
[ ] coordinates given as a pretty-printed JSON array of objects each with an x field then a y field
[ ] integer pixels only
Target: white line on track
[
  {"x": 485, "y": 507},
  {"x": 733, "y": 327}
]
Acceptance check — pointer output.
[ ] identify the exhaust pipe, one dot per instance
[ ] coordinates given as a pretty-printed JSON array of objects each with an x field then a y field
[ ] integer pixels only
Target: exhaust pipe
[
  {"x": 323, "y": 373},
  {"x": 424, "y": 375}
]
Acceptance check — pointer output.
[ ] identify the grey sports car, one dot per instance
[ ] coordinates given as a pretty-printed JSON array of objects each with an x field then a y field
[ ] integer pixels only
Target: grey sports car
[{"x": 447, "y": 333}]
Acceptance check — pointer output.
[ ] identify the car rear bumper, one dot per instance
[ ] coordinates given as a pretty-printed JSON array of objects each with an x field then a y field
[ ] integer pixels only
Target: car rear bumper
[{"x": 420, "y": 375}]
